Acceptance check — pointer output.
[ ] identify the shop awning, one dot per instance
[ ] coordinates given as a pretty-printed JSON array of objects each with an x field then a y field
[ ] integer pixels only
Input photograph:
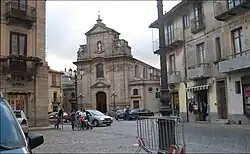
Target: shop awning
[{"x": 198, "y": 88}]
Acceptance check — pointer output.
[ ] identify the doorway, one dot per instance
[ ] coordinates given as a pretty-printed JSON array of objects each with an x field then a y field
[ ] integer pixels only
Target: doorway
[
  {"x": 222, "y": 102},
  {"x": 175, "y": 102},
  {"x": 202, "y": 104},
  {"x": 136, "y": 104},
  {"x": 101, "y": 102}
]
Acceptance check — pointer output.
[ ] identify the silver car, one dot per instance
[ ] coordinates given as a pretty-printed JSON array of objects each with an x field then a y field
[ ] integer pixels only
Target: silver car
[
  {"x": 97, "y": 118},
  {"x": 23, "y": 120}
]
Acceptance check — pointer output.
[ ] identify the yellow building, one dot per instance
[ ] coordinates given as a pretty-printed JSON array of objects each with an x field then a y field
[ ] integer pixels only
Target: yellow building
[
  {"x": 55, "y": 90},
  {"x": 23, "y": 69}
]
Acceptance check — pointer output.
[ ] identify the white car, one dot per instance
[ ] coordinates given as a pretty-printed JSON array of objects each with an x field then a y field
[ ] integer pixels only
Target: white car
[{"x": 23, "y": 120}]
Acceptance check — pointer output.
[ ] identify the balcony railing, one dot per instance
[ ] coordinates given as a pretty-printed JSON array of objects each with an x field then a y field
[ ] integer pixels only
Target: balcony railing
[
  {"x": 19, "y": 65},
  {"x": 197, "y": 25},
  {"x": 174, "y": 77},
  {"x": 202, "y": 70},
  {"x": 55, "y": 84},
  {"x": 57, "y": 100},
  {"x": 235, "y": 62},
  {"x": 172, "y": 41},
  {"x": 20, "y": 14},
  {"x": 222, "y": 12}
]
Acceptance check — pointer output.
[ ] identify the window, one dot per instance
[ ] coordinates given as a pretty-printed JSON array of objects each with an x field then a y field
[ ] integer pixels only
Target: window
[
  {"x": 73, "y": 95},
  {"x": 237, "y": 40},
  {"x": 53, "y": 79},
  {"x": 234, "y": 3},
  {"x": 218, "y": 48},
  {"x": 170, "y": 33},
  {"x": 198, "y": 15},
  {"x": 237, "y": 87},
  {"x": 200, "y": 53},
  {"x": 99, "y": 71},
  {"x": 172, "y": 63},
  {"x": 144, "y": 73},
  {"x": 186, "y": 21},
  {"x": 135, "y": 92},
  {"x": 136, "y": 71},
  {"x": 157, "y": 94},
  {"x": 54, "y": 96},
  {"x": 20, "y": 4},
  {"x": 18, "y": 43}
]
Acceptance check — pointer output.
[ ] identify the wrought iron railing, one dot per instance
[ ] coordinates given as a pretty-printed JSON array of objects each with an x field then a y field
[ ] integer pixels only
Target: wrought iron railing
[
  {"x": 198, "y": 65},
  {"x": 13, "y": 9},
  {"x": 242, "y": 53}
]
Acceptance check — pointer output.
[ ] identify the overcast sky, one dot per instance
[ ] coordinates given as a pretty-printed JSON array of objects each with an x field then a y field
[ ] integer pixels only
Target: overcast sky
[{"x": 67, "y": 23}]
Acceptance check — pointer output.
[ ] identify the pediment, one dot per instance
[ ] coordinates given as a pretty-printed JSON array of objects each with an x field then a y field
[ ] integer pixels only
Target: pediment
[
  {"x": 100, "y": 85},
  {"x": 100, "y": 28}
]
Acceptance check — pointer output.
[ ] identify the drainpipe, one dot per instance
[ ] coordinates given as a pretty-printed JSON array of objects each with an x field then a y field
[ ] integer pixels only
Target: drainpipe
[{"x": 185, "y": 69}]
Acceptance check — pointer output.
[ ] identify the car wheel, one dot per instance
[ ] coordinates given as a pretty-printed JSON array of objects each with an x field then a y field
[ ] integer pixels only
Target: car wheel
[
  {"x": 108, "y": 124},
  {"x": 95, "y": 123}
]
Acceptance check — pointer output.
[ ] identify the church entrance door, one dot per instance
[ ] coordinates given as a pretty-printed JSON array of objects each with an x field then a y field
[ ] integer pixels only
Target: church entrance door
[{"x": 101, "y": 102}]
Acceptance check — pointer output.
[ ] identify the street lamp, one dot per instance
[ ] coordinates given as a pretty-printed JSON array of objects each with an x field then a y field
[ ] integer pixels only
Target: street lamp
[
  {"x": 114, "y": 95},
  {"x": 166, "y": 129},
  {"x": 75, "y": 75},
  {"x": 81, "y": 96}
]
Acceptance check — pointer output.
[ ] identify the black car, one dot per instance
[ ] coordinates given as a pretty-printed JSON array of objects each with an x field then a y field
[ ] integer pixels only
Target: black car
[
  {"x": 121, "y": 114},
  {"x": 134, "y": 113}
]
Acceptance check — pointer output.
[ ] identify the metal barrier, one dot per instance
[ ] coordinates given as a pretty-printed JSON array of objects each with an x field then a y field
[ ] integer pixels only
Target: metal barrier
[{"x": 160, "y": 134}]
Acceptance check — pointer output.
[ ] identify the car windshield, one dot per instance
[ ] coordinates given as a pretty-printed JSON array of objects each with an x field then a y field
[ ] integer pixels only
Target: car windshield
[
  {"x": 134, "y": 110},
  {"x": 18, "y": 114},
  {"x": 96, "y": 113},
  {"x": 11, "y": 135}
]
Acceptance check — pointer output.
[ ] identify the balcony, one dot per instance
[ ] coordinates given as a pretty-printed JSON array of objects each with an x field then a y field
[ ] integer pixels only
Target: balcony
[
  {"x": 171, "y": 43},
  {"x": 197, "y": 25},
  {"x": 223, "y": 13},
  {"x": 235, "y": 62},
  {"x": 17, "y": 14},
  {"x": 55, "y": 85},
  {"x": 174, "y": 77},
  {"x": 18, "y": 65},
  {"x": 56, "y": 100},
  {"x": 203, "y": 70}
]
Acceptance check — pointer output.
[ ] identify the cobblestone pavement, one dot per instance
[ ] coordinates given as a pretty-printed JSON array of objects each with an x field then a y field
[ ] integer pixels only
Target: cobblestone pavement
[{"x": 120, "y": 138}]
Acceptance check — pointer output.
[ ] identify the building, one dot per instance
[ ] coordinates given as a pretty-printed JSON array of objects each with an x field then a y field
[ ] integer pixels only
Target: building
[
  {"x": 112, "y": 77},
  {"x": 201, "y": 38},
  {"x": 55, "y": 90},
  {"x": 24, "y": 71},
  {"x": 69, "y": 96}
]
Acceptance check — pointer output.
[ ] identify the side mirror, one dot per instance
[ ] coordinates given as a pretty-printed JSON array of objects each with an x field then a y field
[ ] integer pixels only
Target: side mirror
[{"x": 35, "y": 140}]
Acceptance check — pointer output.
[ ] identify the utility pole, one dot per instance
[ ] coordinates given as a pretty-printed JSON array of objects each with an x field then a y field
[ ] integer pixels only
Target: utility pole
[{"x": 166, "y": 129}]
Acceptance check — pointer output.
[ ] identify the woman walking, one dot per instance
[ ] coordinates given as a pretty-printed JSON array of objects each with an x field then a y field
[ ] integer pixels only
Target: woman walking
[{"x": 72, "y": 119}]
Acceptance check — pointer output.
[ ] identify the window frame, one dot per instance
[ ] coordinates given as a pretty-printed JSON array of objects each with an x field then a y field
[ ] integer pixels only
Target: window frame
[
  {"x": 198, "y": 53},
  {"x": 18, "y": 43},
  {"x": 172, "y": 62},
  {"x": 135, "y": 92},
  {"x": 170, "y": 33},
  {"x": 186, "y": 21},
  {"x": 240, "y": 36},
  {"x": 99, "y": 70},
  {"x": 198, "y": 18}
]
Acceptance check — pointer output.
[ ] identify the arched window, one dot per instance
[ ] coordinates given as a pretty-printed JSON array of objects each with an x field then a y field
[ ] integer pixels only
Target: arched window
[
  {"x": 136, "y": 71},
  {"x": 135, "y": 91},
  {"x": 73, "y": 95},
  {"x": 99, "y": 71}
]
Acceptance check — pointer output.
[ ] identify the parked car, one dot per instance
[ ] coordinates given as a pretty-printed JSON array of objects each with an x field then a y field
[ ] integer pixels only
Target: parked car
[
  {"x": 53, "y": 117},
  {"x": 120, "y": 114},
  {"x": 134, "y": 113},
  {"x": 97, "y": 118},
  {"x": 12, "y": 138},
  {"x": 23, "y": 120}
]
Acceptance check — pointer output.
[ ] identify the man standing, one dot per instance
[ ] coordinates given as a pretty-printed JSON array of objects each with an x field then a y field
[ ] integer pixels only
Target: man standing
[{"x": 59, "y": 117}]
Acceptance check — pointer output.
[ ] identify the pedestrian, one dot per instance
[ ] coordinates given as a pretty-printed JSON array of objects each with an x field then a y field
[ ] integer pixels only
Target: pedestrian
[
  {"x": 72, "y": 119},
  {"x": 59, "y": 117}
]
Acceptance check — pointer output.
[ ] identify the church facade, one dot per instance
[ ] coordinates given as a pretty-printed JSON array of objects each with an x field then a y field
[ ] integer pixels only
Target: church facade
[{"x": 112, "y": 78}]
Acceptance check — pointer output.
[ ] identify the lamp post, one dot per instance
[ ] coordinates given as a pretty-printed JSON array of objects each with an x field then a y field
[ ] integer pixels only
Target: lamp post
[
  {"x": 81, "y": 96},
  {"x": 114, "y": 95},
  {"x": 75, "y": 75},
  {"x": 166, "y": 129}
]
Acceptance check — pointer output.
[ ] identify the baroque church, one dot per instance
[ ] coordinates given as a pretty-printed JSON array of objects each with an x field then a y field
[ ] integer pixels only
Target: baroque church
[{"x": 112, "y": 78}]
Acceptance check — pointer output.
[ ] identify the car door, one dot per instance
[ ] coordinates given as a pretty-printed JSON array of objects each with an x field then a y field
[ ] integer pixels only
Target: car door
[
  {"x": 89, "y": 116},
  {"x": 145, "y": 112}
]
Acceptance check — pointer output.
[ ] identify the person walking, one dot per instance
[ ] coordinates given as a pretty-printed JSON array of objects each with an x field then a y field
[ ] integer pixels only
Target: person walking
[
  {"x": 59, "y": 117},
  {"x": 72, "y": 119}
]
